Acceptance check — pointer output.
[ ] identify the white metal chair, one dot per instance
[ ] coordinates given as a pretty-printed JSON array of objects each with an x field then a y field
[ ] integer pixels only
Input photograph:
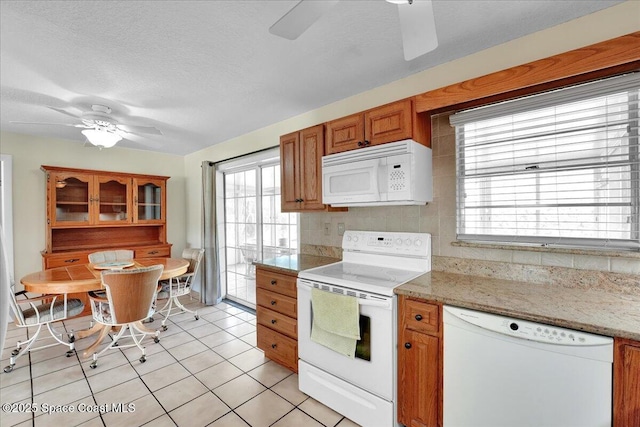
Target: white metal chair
[
  {"x": 52, "y": 308},
  {"x": 181, "y": 285},
  {"x": 111, "y": 256},
  {"x": 130, "y": 299}
]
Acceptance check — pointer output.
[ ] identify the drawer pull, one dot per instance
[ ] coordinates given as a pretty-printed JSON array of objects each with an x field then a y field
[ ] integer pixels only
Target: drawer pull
[
  {"x": 274, "y": 345},
  {"x": 273, "y": 281},
  {"x": 273, "y": 302},
  {"x": 72, "y": 260},
  {"x": 273, "y": 321},
  {"x": 418, "y": 317},
  {"x": 407, "y": 345},
  {"x": 153, "y": 252}
]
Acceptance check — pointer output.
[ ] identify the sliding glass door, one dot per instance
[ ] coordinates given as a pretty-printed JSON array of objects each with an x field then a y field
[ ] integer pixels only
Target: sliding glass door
[{"x": 255, "y": 229}]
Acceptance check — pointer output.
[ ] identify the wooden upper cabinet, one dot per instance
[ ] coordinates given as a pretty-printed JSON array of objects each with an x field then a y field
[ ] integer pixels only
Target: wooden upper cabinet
[
  {"x": 388, "y": 123},
  {"x": 301, "y": 170},
  {"x": 344, "y": 134},
  {"x": 289, "y": 171},
  {"x": 626, "y": 383},
  {"x": 82, "y": 199},
  {"x": 311, "y": 152},
  {"x": 149, "y": 201}
]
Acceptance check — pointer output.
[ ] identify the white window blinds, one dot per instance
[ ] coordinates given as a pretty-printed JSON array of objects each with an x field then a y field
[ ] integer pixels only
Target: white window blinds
[{"x": 558, "y": 168}]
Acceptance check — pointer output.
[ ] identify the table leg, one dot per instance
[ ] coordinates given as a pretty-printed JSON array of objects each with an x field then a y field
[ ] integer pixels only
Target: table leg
[
  {"x": 97, "y": 327},
  {"x": 143, "y": 328},
  {"x": 92, "y": 348}
]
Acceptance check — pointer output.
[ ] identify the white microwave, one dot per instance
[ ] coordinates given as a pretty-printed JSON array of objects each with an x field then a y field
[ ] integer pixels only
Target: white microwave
[{"x": 397, "y": 173}]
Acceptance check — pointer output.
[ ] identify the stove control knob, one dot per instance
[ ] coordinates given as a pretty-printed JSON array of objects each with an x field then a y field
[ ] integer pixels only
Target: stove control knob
[
  {"x": 399, "y": 242},
  {"x": 418, "y": 242},
  {"x": 408, "y": 242},
  {"x": 355, "y": 238},
  {"x": 348, "y": 238}
]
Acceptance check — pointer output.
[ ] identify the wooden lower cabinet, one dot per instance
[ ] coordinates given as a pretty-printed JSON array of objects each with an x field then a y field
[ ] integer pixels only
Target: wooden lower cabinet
[
  {"x": 276, "y": 313},
  {"x": 626, "y": 383},
  {"x": 419, "y": 363}
]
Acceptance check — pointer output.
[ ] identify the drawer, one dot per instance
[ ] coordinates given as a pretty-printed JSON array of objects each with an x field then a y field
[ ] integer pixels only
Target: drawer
[
  {"x": 65, "y": 260},
  {"x": 278, "y": 322},
  {"x": 275, "y": 282},
  {"x": 421, "y": 316},
  {"x": 277, "y": 302},
  {"x": 159, "y": 252},
  {"x": 278, "y": 348}
]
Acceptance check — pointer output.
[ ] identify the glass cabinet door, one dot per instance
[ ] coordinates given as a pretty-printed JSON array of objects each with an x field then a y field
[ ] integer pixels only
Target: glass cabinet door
[
  {"x": 113, "y": 199},
  {"x": 71, "y": 199},
  {"x": 148, "y": 199}
]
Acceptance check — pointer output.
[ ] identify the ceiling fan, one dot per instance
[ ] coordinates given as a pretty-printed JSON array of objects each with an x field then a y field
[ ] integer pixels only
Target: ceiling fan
[
  {"x": 417, "y": 23},
  {"x": 100, "y": 128}
]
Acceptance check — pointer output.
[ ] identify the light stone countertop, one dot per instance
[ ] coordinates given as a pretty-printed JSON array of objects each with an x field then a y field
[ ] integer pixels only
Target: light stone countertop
[
  {"x": 295, "y": 263},
  {"x": 615, "y": 314}
]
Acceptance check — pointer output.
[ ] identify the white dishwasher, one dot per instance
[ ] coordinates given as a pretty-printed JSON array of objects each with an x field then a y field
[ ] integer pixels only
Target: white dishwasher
[{"x": 504, "y": 372}]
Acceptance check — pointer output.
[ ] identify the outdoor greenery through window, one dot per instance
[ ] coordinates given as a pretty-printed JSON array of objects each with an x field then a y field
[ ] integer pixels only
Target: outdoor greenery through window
[
  {"x": 559, "y": 168},
  {"x": 255, "y": 229}
]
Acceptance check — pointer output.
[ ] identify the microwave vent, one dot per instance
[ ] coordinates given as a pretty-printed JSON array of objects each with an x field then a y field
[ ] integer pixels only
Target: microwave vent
[{"x": 397, "y": 180}]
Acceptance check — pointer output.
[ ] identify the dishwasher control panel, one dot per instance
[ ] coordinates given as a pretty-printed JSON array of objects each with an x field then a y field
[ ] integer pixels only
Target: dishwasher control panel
[{"x": 525, "y": 329}]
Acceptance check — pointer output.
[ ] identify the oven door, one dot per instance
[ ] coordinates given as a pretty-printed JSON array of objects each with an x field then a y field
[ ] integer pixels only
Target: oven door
[
  {"x": 351, "y": 182},
  {"x": 374, "y": 366}
]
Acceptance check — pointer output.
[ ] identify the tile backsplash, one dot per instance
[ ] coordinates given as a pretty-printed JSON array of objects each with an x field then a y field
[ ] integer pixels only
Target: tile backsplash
[{"x": 439, "y": 219}]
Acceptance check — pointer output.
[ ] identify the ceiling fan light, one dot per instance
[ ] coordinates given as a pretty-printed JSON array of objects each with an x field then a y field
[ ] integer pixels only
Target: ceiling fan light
[{"x": 101, "y": 138}]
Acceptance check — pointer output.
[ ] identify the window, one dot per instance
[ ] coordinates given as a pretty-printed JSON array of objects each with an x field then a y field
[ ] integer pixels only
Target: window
[
  {"x": 255, "y": 229},
  {"x": 559, "y": 168}
]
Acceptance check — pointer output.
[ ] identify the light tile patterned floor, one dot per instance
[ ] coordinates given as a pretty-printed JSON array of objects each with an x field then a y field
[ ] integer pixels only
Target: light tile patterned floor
[{"x": 205, "y": 372}]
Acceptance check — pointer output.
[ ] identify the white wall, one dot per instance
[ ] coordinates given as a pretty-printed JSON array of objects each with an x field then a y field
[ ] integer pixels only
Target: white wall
[
  {"x": 600, "y": 26},
  {"x": 29, "y": 208}
]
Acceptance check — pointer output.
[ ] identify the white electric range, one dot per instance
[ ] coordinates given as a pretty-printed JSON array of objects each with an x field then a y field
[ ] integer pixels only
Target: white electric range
[{"x": 374, "y": 263}]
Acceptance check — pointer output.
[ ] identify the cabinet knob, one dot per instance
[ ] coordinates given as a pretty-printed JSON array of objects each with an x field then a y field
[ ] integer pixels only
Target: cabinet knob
[
  {"x": 273, "y": 281},
  {"x": 153, "y": 252},
  {"x": 366, "y": 143},
  {"x": 418, "y": 317},
  {"x": 72, "y": 260},
  {"x": 407, "y": 345},
  {"x": 274, "y": 345},
  {"x": 273, "y": 302},
  {"x": 273, "y": 321},
  {"x": 360, "y": 144}
]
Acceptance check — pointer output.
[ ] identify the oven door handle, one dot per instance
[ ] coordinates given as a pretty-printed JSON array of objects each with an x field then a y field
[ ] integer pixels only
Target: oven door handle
[{"x": 372, "y": 303}]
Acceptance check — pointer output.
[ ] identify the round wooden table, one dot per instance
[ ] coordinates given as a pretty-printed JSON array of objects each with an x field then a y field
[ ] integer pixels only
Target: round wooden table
[{"x": 84, "y": 278}]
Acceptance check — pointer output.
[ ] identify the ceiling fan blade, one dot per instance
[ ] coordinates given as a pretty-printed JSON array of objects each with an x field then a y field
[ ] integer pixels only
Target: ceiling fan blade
[
  {"x": 418, "y": 27},
  {"x": 139, "y": 129},
  {"x": 302, "y": 16},
  {"x": 60, "y": 110},
  {"x": 49, "y": 124}
]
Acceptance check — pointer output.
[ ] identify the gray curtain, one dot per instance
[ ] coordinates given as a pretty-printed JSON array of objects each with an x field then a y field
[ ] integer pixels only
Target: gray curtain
[
  {"x": 5, "y": 287},
  {"x": 210, "y": 287}
]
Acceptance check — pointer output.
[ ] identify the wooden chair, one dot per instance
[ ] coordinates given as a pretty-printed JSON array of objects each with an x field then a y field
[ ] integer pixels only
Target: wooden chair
[
  {"x": 181, "y": 285},
  {"x": 130, "y": 299},
  {"x": 52, "y": 308},
  {"x": 111, "y": 256}
]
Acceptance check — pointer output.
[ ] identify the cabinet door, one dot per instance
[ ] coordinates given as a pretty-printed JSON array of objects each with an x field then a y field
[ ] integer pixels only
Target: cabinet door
[
  {"x": 626, "y": 383},
  {"x": 388, "y": 123},
  {"x": 289, "y": 172},
  {"x": 311, "y": 151},
  {"x": 345, "y": 134},
  {"x": 112, "y": 200},
  {"x": 418, "y": 381},
  {"x": 70, "y": 198},
  {"x": 148, "y": 201}
]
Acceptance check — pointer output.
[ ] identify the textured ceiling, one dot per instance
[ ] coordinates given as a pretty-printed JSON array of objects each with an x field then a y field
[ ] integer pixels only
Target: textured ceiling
[{"x": 206, "y": 71}]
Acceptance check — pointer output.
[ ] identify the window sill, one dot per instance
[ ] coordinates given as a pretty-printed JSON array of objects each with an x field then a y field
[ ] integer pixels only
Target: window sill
[{"x": 548, "y": 249}]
